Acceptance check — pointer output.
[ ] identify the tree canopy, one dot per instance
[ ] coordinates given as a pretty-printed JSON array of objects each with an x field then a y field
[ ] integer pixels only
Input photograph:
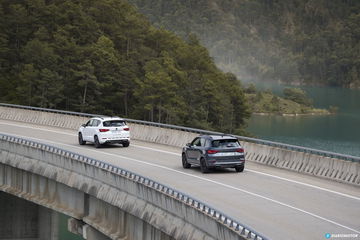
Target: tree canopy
[
  {"x": 297, "y": 95},
  {"x": 104, "y": 57},
  {"x": 296, "y": 41}
]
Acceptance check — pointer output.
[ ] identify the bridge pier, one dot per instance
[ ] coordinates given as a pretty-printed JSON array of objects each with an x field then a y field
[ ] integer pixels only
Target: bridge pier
[
  {"x": 90, "y": 233},
  {"x": 87, "y": 232},
  {"x": 24, "y": 220}
]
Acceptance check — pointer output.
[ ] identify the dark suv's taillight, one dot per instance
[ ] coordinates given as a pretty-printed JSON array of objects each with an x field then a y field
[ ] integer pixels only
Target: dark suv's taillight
[
  {"x": 240, "y": 150},
  {"x": 212, "y": 151}
]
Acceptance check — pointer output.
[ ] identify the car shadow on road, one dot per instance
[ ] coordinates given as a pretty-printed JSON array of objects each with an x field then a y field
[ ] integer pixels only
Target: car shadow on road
[
  {"x": 105, "y": 146},
  {"x": 213, "y": 171}
]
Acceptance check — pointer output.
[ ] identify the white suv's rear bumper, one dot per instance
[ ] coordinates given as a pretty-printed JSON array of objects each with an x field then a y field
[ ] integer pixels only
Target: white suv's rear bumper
[
  {"x": 116, "y": 141},
  {"x": 112, "y": 138}
]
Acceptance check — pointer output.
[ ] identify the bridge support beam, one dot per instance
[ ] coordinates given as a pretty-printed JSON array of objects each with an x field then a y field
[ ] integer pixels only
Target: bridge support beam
[{"x": 24, "y": 220}]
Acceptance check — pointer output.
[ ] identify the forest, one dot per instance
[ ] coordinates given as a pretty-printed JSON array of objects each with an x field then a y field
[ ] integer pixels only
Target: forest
[
  {"x": 298, "y": 42},
  {"x": 105, "y": 57}
]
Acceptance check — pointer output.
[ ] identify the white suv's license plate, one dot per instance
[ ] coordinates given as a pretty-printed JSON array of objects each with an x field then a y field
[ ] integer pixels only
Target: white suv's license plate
[{"x": 223, "y": 154}]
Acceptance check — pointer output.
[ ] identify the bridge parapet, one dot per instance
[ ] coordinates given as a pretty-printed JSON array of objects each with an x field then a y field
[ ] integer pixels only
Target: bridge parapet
[{"x": 334, "y": 166}]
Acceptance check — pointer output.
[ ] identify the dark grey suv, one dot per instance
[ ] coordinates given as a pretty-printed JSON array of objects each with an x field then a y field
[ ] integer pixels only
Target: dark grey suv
[{"x": 213, "y": 151}]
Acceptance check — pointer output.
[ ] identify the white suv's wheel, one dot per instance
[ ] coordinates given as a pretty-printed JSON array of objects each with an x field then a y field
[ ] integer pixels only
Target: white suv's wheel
[
  {"x": 81, "y": 141},
  {"x": 96, "y": 142}
]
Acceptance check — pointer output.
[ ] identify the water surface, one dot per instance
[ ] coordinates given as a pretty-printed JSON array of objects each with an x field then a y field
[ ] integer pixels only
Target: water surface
[{"x": 336, "y": 133}]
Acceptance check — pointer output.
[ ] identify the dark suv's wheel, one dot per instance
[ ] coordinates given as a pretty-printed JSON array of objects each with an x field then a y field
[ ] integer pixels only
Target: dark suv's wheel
[
  {"x": 203, "y": 167},
  {"x": 185, "y": 163},
  {"x": 96, "y": 142},
  {"x": 126, "y": 144},
  {"x": 81, "y": 141},
  {"x": 239, "y": 168}
]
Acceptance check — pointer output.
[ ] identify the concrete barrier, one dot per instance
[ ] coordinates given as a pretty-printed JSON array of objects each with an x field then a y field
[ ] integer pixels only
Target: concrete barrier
[
  {"x": 341, "y": 168},
  {"x": 138, "y": 131},
  {"x": 118, "y": 203},
  {"x": 42, "y": 118},
  {"x": 307, "y": 163}
]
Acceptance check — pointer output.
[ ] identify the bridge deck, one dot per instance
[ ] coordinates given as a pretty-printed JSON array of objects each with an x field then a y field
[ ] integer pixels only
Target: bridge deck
[{"x": 277, "y": 203}]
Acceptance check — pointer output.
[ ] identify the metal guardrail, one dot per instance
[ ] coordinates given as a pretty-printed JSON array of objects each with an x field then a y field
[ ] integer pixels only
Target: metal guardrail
[
  {"x": 217, "y": 215},
  {"x": 199, "y": 131}
]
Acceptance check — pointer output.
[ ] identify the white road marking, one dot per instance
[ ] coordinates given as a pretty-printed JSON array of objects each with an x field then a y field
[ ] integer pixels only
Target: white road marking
[
  {"x": 178, "y": 154},
  {"x": 268, "y": 175}
]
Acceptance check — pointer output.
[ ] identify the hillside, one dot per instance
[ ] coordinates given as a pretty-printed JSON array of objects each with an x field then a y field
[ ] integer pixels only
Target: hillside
[
  {"x": 313, "y": 42},
  {"x": 104, "y": 57}
]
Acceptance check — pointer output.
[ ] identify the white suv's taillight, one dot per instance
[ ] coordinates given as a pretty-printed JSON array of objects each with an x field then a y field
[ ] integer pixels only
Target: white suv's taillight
[
  {"x": 126, "y": 129},
  {"x": 104, "y": 130}
]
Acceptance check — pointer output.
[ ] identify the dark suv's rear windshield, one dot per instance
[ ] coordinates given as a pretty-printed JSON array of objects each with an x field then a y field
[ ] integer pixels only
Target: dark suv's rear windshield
[
  {"x": 114, "y": 123},
  {"x": 225, "y": 143}
]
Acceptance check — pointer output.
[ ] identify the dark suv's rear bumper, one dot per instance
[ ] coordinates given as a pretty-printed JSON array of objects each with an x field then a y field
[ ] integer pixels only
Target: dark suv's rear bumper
[{"x": 212, "y": 162}]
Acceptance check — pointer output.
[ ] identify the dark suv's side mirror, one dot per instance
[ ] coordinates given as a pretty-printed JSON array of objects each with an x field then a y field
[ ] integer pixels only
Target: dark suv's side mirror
[{"x": 188, "y": 144}]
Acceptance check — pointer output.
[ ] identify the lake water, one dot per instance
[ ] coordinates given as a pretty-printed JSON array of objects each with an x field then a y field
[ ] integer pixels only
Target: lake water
[{"x": 336, "y": 133}]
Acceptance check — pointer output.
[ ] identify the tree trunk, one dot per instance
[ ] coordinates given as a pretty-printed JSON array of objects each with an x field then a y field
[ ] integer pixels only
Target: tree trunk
[
  {"x": 42, "y": 103},
  {"x": 29, "y": 93},
  {"x": 159, "y": 107},
  {"x": 126, "y": 104},
  {"x": 232, "y": 120},
  {"x": 128, "y": 47},
  {"x": 84, "y": 99},
  {"x": 152, "y": 114}
]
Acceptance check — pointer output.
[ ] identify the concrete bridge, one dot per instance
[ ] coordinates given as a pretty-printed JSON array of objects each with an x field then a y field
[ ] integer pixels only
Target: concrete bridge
[{"x": 106, "y": 200}]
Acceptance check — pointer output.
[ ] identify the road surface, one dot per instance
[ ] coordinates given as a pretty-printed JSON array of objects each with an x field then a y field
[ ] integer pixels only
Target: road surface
[{"x": 277, "y": 203}]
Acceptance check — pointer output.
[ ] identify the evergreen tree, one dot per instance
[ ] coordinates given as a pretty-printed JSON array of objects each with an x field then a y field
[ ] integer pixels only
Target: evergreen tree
[
  {"x": 296, "y": 41},
  {"x": 104, "y": 57}
]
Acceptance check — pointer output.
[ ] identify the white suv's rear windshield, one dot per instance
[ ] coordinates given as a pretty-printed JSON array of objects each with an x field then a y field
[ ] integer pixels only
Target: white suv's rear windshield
[
  {"x": 114, "y": 123},
  {"x": 225, "y": 143}
]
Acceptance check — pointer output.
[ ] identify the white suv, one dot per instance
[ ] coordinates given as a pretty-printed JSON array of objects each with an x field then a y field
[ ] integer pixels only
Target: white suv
[{"x": 102, "y": 130}]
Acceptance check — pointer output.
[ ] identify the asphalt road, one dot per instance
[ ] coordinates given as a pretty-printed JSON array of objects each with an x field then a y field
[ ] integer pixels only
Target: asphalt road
[{"x": 277, "y": 203}]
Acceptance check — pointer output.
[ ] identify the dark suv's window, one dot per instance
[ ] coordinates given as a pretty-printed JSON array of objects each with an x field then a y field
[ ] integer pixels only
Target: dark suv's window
[
  {"x": 199, "y": 142},
  {"x": 196, "y": 142},
  {"x": 202, "y": 142},
  {"x": 225, "y": 143},
  {"x": 114, "y": 123}
]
